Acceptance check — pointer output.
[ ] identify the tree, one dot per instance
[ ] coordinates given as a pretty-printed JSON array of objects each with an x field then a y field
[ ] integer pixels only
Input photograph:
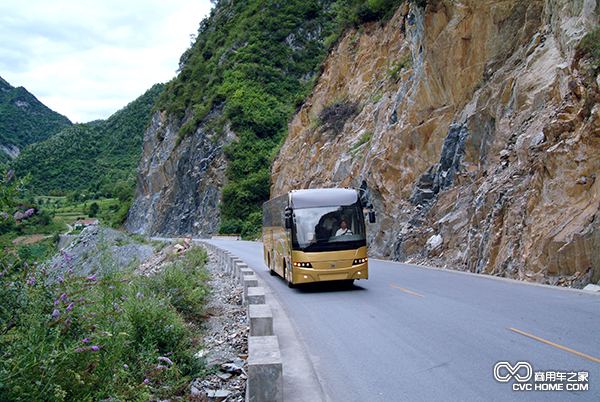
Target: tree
[{"x": 94, "y": 208}]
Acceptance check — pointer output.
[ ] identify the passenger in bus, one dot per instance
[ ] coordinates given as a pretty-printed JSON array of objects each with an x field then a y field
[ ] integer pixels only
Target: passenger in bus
[
  {"x": 328, "y": 226},
  {"x": 344, "y": 230}
]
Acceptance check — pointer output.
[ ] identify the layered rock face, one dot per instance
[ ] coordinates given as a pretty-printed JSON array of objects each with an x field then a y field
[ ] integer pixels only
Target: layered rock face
[
  {"x": 474, "y": 129},
  {"x": 179, "y": 181}
]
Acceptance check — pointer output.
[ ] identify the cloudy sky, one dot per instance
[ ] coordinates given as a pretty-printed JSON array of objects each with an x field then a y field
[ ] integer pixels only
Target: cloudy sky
[{"x": 86, "y": 59}]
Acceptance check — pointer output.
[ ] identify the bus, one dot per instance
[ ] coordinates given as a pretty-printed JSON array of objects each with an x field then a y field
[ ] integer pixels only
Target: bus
[{"x": 316, "y": 235}]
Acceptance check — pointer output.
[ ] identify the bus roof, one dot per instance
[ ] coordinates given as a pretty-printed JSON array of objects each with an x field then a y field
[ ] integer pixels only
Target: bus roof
[{"x": 323, "y": 197}]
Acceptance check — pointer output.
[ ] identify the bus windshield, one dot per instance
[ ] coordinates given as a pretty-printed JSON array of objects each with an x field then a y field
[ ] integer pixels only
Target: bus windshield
[{"x": 328, "y": 228}]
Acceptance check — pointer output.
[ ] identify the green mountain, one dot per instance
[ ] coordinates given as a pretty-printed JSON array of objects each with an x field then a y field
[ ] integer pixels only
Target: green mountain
[
  {"x": 257, "y": 61},
  {"x": 92, "y": 156},
  {"x": 24, "y": 120}
]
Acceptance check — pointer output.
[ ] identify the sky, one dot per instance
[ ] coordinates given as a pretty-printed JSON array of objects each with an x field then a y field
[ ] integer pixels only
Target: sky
[{"x": 87, "y": 59}]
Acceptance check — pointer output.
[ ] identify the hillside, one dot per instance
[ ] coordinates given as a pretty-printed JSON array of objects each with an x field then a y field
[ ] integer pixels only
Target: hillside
[
  {"x": 475, "y": 133},
  {"x": 91, "y": 156},
  {"x": 471, "y": 126},
  {"x": 24, "y": 120},
  {"x": 217, "y": 126}
]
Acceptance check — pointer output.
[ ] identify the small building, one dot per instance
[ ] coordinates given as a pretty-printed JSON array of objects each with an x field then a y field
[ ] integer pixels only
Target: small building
[{"x": 82, "y": 223}]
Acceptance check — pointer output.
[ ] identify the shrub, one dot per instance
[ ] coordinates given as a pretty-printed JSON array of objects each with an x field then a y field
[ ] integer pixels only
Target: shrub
[{"x": 91, "y": 338}]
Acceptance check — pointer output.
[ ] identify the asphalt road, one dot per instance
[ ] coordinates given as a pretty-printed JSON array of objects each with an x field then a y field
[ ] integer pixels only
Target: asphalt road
[{"x": 413, "y": 333}]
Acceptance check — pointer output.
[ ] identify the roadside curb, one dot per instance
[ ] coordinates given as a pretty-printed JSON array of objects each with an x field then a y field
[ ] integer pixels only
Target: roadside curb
[{"x": 265, "y": 367}]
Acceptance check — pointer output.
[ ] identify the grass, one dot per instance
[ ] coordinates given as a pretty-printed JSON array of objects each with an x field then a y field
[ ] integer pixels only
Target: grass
[{"x": 120, "y": 337}]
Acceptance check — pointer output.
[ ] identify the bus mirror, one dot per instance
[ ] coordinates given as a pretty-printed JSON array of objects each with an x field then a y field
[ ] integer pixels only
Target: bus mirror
[
  {"x": 288, "y": 218},
  {"x": 371, "y": 217}
]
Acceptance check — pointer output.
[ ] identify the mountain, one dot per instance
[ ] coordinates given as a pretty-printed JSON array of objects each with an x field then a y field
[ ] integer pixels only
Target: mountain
[
  {"x": 91, "y": 156},
  {"x": 24, "y": 120},
  {"x": 475, "y": 134},
  {"x": 472, "y": 127},
  {"x": 218, "y": 124}
]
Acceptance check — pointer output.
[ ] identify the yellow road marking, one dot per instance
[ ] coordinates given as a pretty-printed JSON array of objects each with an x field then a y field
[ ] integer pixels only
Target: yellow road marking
[
  {"x": 558, "y": 346},
  {"x": 407, "y": 291}
]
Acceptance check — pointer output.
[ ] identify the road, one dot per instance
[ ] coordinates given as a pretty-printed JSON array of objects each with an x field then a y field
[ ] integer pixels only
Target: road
[{"x": 413, "y": 333}]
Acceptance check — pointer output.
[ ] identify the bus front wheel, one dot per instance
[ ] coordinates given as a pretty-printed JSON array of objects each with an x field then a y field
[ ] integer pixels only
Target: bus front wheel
[
  {"x": 288, "y": 275},
  {"x": 271, "y": 271}
]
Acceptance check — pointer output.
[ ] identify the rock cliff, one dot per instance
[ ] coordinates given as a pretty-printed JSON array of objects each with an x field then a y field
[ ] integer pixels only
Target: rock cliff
[
  {"x": 474, "y": 129},
  {"x": 179, "y": 181}
]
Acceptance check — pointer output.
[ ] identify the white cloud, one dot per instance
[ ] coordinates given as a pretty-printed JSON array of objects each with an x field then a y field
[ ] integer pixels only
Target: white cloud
[{"x": 88, "y": 59}]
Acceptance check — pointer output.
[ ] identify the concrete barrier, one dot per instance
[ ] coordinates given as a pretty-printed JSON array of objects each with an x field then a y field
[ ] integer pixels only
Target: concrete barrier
[
  {"x": 261, "y": 319},
  {"x": 256, "y": 295},
  {"x": 265, "y": 367},
  {"x": 244, "y": 270},
  {"x": 248, "y": 281},
  {"x": 265, "y": 370}
]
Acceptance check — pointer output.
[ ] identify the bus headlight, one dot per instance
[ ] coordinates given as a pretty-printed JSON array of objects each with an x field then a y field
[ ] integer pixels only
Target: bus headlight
[
  {"x": 360, "y": 261},
  {"x": 303, "y": 264}
]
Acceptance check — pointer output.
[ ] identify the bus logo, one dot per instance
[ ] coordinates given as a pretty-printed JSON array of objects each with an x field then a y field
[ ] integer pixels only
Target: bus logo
[{"x": 333, "y": 265}]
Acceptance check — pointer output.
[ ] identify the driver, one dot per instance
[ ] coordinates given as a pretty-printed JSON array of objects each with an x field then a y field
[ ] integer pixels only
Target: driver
[{"x": 343, "y": 230}]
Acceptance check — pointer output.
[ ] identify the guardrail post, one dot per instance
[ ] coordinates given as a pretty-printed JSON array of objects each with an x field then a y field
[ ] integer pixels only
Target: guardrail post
[{"x": 265, "y": 370}]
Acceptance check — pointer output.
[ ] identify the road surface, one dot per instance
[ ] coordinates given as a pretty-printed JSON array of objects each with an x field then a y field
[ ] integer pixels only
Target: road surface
[{"x": 413, "y": 333}]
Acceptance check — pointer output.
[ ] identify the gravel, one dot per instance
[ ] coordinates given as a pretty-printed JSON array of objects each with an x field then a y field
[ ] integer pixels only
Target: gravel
[
  {"x": 225, "y": 341},
  {"x": 224, "y": 329}
]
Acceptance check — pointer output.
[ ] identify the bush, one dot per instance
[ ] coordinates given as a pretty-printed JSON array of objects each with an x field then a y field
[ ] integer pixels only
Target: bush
[{"x": 88, "y": 338}]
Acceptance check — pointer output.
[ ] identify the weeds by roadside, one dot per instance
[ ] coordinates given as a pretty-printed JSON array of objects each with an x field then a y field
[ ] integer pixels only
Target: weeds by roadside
[{"x": 118, "y": 337}]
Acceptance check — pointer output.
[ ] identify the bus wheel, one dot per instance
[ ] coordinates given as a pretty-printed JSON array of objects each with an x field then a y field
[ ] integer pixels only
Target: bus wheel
[
  {"x": 271, "y": 272},
  {"x": 286, "y": 273}
]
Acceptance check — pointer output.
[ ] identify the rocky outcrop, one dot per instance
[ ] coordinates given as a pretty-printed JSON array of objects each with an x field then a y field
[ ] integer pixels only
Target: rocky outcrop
[
  {"x": 476, "y": 137},
  {"x": 179, "y": 180}
]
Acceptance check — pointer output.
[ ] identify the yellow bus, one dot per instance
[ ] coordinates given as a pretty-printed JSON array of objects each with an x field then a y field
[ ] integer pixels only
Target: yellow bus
[{"x": 316, "y": 235}]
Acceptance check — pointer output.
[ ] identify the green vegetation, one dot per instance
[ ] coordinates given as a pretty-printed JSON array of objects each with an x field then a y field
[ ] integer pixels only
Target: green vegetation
[
  {"x": 116, "y": 337},
  {"x": 98, "y": 158},
  {"x": 25, "y": 120},
  {"x": 258, "y": 60},
  {"x": 119, "y": 337},
  {"x": 590, "y": 46},
  {"x": 404, "y": 63},
  {"x": 364, "y": 139}
]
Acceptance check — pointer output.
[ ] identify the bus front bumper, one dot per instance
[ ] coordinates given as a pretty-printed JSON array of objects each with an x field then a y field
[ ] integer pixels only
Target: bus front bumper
[{"x": 307, "y": 275}]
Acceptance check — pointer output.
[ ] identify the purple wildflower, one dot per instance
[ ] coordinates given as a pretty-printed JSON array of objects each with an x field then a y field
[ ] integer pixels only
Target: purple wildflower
[
  {"x": 29, "y": 211},
  {"x": 125, "y": 366},
  {"x": 8, "y": 176},
  {"x": 95, "y": 348},
  {"x": 80, "y": 350},
  {"x": 60, "y": 280},
  {"x": 147, "y": 381},
  {"x": 86, "y": 340},
  {"x": 5, "y": 216},
  {"x": 67, "y": 258},
  {"x": 159, "y": 367},
  {"x": 111, "y": 287},
  {"x": 90, "y": 278},
  {"x": 70, "y": 306},
  {"x": 55, "y": 314},
  {"x": 26, "y": 265},
  {"x": 56, "y": 302},
  {"x": 31, "y": 281},
  {"x": 63, "y": 296},
  {"x": 165, "y": 359}
]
